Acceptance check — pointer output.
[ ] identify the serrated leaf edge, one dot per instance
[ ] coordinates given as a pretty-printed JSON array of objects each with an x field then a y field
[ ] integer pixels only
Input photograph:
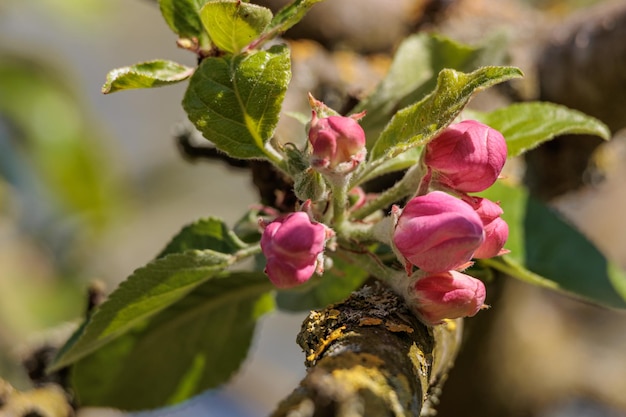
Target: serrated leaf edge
[
  {"x": 441, "y": 79},
  {"x": 67, "y": 358}
]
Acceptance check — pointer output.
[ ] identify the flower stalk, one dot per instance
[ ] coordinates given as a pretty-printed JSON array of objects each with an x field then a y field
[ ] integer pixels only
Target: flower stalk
[{"x": 400, "y": 190}]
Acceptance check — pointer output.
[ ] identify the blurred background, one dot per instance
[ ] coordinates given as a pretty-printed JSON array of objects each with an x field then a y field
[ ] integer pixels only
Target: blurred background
[{"x": 93, "y": 186}]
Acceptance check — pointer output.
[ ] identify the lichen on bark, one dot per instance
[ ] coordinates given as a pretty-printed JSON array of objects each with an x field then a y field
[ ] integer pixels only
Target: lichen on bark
[{"x": 370, "y": 356}]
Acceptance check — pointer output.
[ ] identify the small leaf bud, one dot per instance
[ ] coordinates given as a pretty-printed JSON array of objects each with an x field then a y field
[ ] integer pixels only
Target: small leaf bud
[{"x": 309, "y": 185}]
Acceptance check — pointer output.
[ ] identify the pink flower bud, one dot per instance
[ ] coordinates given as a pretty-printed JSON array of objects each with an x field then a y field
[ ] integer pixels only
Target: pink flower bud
[
  {"x": 447, "y": 295},
  {"x": 293, "y": 246},
  {"x": 496, "y": 229},
  {"x": 437, "y": 232},
  {"x": 338, "y": 142},
  {"x": 467, "y": 156}
]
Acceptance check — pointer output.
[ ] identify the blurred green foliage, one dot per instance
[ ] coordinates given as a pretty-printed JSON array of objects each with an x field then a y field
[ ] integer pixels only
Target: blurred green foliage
[
  {"x": 48, "y": 134},
  {"x": 56, "y": 195}
]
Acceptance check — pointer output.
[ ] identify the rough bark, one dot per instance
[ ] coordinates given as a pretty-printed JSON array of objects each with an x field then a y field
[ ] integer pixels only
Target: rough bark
[{"x": 370, "y": 356}]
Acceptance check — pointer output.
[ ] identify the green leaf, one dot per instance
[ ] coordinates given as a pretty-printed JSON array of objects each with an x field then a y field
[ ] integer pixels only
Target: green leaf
[
  {"x": 146, "y": 75},
  {"x": 527, "y": 125},
  {"x": 548, "y": 251},
  {"x": 235, "y": 100},
  {"x": 417, "y": 124},
  {"x": 285, "y": 19},
  {"x": 210, "y": 233},
  {"x": 291, "y": 14},
  {"x": 336, "y": 284},
  {"x": 183, "y": 16},
  {"x": 413, "y": 74},
  {"x": 232, "y": 24},
  {"x": 147, "y": 291},
  {"x": 58, "y": 167},
  {"x": 193, "y": 345}
]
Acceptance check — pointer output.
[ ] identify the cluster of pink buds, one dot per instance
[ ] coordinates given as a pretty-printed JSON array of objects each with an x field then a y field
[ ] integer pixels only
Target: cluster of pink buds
[
  {"x": 440, "y": 234},
  {"x": 293, "y": 246}
]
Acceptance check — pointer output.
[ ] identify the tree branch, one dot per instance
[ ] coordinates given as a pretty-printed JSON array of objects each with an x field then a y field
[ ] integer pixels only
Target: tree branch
[{"x": 370, "y": 356}]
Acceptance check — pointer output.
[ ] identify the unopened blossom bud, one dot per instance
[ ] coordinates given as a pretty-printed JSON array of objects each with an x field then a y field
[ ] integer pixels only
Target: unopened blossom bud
[
  {"x": 496, "y": 229},
  {"x": 293, "y": 246},
  {"x": 338, "y": 142},
  {"x": 446, "y": 295},
  {"x": 467, "y": 156},
  {"x": 437, "y": 232}
]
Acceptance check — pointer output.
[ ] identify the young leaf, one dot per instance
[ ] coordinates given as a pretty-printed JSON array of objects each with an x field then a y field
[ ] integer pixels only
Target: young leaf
[
  {"x": 336, "y": 284},
  {"x": 235, "y": 100},
  {"x": 285, "y": 19},
  {"x": 413, "y": 74},
  {"x": 146, "y": 75},
  {"x": 193, "y": 345},
  {"x": 417, "y": 124},
  {"x": 146, "y": 292},
  {"x": 291, "y": 14},
  {"x": 527, "y": 125},
  {"x": 210, "y": 233},
  {"x": 183, "y": 16},
  {"x": 548, "y": 251},
  {"x": 232, "y": 24}
]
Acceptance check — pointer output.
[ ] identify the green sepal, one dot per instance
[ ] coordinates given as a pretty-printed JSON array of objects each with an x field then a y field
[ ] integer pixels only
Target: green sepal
[
  {"x": 247, "y": 227},
  {"x": 310, "y": 185}
]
